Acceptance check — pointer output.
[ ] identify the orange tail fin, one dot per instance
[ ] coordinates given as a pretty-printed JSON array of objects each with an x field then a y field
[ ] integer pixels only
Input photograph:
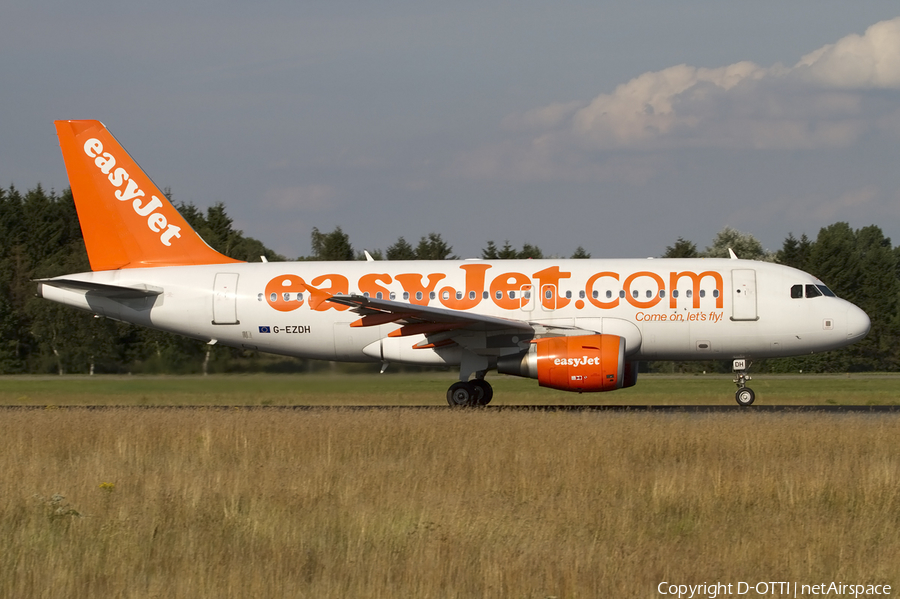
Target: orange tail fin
[{"x": 126, "y": 221}]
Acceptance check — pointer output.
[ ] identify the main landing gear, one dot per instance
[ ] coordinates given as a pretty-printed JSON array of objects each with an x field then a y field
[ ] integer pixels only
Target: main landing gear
[
  {"x": 477, "y": 392},
  {"x": 745, "y": 394}
]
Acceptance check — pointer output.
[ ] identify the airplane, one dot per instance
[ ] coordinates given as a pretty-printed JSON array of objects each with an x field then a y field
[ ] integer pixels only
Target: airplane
[{"x": 574, "y": 325}]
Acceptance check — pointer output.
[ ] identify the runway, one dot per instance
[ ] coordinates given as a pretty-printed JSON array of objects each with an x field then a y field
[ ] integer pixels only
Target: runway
[{"x": 658, "y": 409}]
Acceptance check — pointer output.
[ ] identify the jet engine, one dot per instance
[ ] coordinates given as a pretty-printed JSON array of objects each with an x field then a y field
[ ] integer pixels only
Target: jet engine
[{"x": 583, "y": 363}]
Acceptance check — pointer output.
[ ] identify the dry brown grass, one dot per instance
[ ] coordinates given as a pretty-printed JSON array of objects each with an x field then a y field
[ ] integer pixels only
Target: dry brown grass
[{"x": 440, "y": 504}]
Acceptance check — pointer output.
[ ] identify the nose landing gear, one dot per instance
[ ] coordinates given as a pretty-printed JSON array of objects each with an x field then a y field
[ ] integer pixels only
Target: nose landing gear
[{"x": 744, "y": 395}]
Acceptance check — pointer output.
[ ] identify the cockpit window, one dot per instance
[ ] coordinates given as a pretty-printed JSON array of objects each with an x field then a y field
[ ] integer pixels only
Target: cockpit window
[{"x": 811, "y": 291}]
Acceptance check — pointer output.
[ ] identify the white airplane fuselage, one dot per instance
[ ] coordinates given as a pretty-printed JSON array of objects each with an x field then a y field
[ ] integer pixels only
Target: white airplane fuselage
[{"x": 723, "y": 309}]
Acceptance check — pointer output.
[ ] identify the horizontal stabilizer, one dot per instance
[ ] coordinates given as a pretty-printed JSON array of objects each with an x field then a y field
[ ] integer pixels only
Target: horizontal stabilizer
[{"x": 101, "y": 289}]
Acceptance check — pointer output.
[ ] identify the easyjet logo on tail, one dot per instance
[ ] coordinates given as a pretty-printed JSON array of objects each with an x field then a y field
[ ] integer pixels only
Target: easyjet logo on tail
[{"x": 118, "y": 176}]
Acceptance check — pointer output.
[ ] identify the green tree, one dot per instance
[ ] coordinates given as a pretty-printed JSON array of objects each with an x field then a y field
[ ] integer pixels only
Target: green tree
[
  {"x": 879, "y": 296},
  {"x": 216, "y": 228},
  {"x": 531, "y": 251},
  {"x": 795, "y": 252},
  {"x": 331, "y": 246},
  {"x": 490, "y": 252},
  {"x": 433, "y": 248},
  {"x": 401, "y": 250},
  {"x": 508, "y": 252},
  {"x": 744, "y": 245},
  {"x": 683, "y": 249},
  {"x": 580, "y": 254}
]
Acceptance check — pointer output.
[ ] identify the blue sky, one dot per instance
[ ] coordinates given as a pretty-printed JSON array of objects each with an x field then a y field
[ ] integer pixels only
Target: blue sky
[{"x": 615, "y": 126}]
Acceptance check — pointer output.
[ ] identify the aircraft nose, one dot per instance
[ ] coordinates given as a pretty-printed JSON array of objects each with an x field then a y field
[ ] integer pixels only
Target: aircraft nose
[{"x": 858, "y": 323}]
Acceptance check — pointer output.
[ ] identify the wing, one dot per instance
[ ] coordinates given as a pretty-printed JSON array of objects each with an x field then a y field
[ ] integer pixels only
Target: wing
[
  {"x": 480, "y": 334},
  {"x": 415, "y": 320}
]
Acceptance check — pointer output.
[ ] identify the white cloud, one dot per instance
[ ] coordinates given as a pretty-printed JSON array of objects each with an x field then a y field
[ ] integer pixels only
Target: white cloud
[
  {"x": 826, "y": 100},
  {"x": 868, "y": 61}
]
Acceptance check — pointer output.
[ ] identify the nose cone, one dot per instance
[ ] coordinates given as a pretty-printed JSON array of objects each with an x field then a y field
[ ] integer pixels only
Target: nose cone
[{"x": 858, "y": 323}]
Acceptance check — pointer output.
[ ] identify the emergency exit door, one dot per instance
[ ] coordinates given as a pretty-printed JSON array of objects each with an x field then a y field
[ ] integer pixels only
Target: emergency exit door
[{"x": 225, "y": 299}]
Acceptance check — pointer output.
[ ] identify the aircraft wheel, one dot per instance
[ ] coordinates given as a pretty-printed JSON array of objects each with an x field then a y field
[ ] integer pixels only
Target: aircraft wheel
[
  {"x": 745, "y": 396},
  {"x": 484, "y": 393},
  {"x": 461, "y": 394}
]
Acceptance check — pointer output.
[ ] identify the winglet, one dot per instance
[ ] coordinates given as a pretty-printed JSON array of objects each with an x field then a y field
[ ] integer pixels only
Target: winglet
[{"x": 126, "y": 221}]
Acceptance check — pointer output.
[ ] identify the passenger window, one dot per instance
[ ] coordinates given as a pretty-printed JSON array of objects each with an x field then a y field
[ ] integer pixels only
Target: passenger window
[
  {"x": 273, "y": 297},
  {"x": 260, "y": 297},
  {"x": 581, "y": 294},
  {"x": 499, "y": 295},
  {"x": 445, "y": 295},
  {"x": 608, "y": 294},
  {"x": 418, "y": 295},
  {"x": 689, "y": 293},
  {"x": 634, "y": 294},
  {"x": 796, "y": 291},
  {"x": 568, "y": 295},
  {"x": 393, "y": 295},
  {"x": 703, "y": 293},
  {"x": 471, "y": 295},
  {"x": 512, "y": 295},
  {"x": 366, "y": 294},
  {"x": 459, "y": 295},
  {"x": 432, "y": 295},
  {"x": 287, "y": 297},
  {"x": 715, "y": 293},
  {"x": 812, "y": 291},
  {"x": 379, "y": 295},
  {"x": 548, "y": 294},
  {"x": 485, "y": 295},
  {"x": 622, "y": 293},
  {"x": 406, "y": 295},
  {"x": 675, "y": 293}
]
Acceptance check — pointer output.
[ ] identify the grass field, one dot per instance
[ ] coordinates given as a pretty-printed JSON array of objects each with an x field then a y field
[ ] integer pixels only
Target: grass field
[
  {"x": 430, "y": 389},
  {"x": 124, "y": 502}
]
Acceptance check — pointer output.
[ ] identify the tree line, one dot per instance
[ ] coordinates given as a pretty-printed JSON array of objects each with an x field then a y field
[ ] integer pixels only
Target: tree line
[{"x": 40, "y": 237}]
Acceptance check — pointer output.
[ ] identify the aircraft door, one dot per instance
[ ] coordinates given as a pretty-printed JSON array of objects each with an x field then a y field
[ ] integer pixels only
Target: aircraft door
[
  {"x": 225, "y": 299},
  {"x": 743, "y": 295}
]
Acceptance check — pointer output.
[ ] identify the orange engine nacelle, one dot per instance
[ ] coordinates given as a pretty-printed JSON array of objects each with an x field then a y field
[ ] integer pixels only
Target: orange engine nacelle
[{"x": 583, "y": 364}]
